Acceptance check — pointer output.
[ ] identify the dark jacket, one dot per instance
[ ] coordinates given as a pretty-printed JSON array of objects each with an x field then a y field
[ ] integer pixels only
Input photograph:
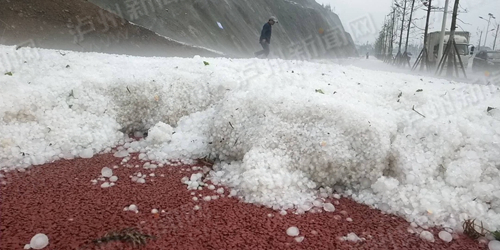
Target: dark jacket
[{"x": 266, "y": 33}]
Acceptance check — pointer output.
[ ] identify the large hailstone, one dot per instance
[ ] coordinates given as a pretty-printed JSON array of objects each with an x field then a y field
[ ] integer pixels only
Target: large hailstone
[
  {"x": 106, "y": 172},
  {"x": 426, "y": 235},
  {"x": 39, "y": 241},
  {"x": 292, "y": 231},
  {"x": 445, "y": 236},
  {"x": 494, "y": 245}
]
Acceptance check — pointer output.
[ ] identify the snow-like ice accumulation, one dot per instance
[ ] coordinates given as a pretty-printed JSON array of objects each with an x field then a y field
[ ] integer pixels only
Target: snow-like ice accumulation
[
  {"x": 160, "y": 133},
  {"x": 419, "y": 147}
]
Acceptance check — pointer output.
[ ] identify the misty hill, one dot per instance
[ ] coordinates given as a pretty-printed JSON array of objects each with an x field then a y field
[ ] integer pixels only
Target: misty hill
[
  {"x": 82, "y": 26},
  {"x": 233, "y": 26}
]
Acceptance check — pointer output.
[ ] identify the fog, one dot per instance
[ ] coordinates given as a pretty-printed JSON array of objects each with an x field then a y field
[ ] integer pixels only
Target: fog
[
  {"x": 171, "y": 28},
  {"x": 469, "y": 13},
  {"x": 186, "y": 29}
]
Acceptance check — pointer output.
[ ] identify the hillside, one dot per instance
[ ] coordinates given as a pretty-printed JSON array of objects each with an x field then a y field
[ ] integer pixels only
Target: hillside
[
  {"x": 197, "y": 22},
  {"x": 82, "y": 26}
]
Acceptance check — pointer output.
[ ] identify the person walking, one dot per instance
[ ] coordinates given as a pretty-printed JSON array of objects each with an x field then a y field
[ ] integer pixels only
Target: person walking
[{"x": 265, "y": 37}]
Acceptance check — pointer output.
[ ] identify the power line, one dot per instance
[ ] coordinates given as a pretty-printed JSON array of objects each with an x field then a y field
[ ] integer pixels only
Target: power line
[{"x": 463, "y": 21}]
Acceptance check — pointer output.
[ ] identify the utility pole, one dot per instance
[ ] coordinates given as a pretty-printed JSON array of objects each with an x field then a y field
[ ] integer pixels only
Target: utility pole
[
  {"x": 398, "y": 56},
  {"x": 441, "y": 36},
  {"x": 496, "y": 34},
  {"x": 452, "y": 50},
  {"x": 424, "y": 54},
  {"x": 451, "y": 41},
  {"x": 408, "y": 32},
  {"x": 480, "y": 38}
]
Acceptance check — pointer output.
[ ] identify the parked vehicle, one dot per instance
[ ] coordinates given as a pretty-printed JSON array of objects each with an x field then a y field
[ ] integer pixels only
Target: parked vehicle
[
  {"x": 462, "y": 38},
  {"x": 486, "y": 61}
]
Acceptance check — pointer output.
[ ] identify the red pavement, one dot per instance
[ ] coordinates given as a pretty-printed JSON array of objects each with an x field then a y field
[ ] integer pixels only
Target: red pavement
[{"x": 59, "y": 200}]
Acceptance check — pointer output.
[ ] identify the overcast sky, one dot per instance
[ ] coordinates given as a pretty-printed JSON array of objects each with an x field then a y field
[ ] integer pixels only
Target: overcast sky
[{"x": 364, "y": 18}]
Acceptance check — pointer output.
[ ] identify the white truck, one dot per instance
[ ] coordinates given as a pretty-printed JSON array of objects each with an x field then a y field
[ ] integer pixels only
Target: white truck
[{"x": 462, "y": 39}]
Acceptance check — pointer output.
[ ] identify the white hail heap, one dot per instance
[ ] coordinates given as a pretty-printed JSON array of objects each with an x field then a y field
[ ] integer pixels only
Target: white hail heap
[{"x": 282, "y": 130}]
